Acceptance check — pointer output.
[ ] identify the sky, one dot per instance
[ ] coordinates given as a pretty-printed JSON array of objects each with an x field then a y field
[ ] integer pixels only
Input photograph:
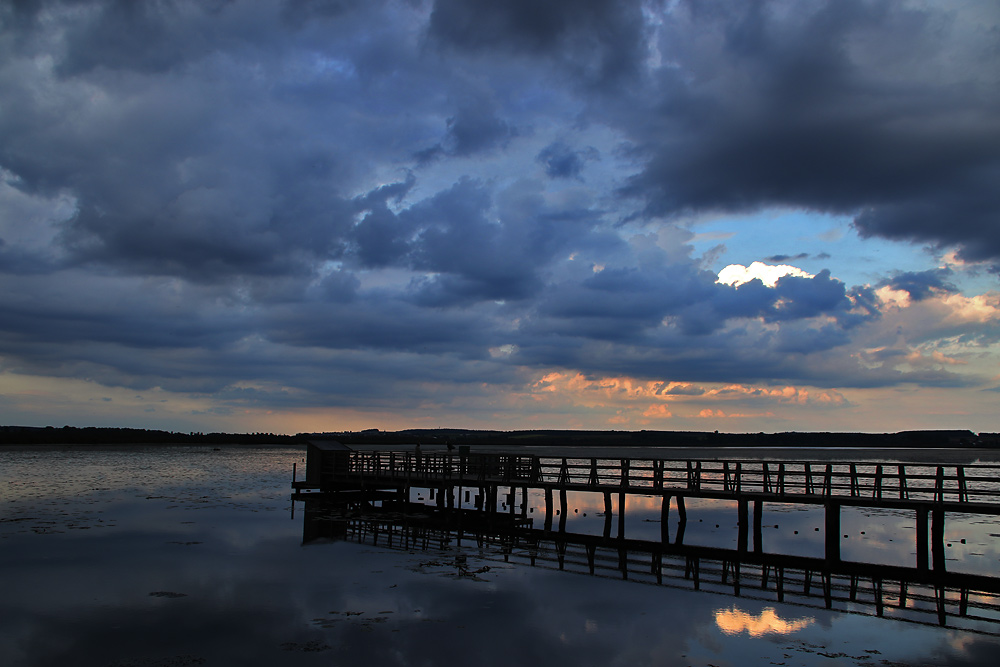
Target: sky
[{"x": 328, "y": 215}]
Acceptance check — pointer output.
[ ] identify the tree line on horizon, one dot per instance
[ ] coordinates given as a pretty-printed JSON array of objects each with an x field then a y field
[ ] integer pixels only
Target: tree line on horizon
[
  {"x": 49, "y": 435},
  {"x": 100, "y": 435}
]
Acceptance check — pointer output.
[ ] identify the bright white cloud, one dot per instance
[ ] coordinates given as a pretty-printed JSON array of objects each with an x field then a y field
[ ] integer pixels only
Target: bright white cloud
[{"x": 737, "y": 274}]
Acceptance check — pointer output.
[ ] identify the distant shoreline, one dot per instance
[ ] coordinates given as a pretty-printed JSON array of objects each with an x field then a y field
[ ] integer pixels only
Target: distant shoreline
[
  {"x": 926, "y": 455},
  {"x": 56, "y": 446},
  {"x": 563, "y": 440}
]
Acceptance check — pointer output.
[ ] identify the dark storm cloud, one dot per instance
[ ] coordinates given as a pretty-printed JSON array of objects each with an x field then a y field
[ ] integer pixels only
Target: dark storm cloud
[
  {"x": 923, "y": 284},
  {"x": 368, "y": 353},
  {"x": 377, "y": 324},
  {"x": 873, "y": 109},
  {"x": 966, "y": 215},
  {"x": 800, "y": 298},
  {"x": 183, "y": 163},
  {"x": 469, "y": 246},
  {"x": 561, "y": 161},
  {"x": 622, "y": 303},
  {"x": 603, "y": 42},
  {"x": 474, "y": 128},
  {"x": 625, "y": 303},
  {"x": 744, "y": 355},
  {"x": 778, "y": 259},
  {"x": 299, "y": 12},
  {"x": 147, "y": 37}
]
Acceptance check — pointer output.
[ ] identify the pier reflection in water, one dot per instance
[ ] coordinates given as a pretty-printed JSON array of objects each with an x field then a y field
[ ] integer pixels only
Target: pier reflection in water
[{"x": 970, "y": 602}]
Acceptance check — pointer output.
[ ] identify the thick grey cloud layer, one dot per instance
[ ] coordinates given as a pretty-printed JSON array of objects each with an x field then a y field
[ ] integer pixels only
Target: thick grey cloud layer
[
  {"x": 880, "y": 110},
  {"x": 204, "y": 196}
]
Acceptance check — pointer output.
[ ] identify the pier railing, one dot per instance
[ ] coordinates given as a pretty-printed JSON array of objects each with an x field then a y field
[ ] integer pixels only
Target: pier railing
[{"x": 974, "y": 484}]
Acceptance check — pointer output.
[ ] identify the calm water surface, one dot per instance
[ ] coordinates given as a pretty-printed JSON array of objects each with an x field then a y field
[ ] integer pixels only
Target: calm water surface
[{"x": 189, "y": 555}]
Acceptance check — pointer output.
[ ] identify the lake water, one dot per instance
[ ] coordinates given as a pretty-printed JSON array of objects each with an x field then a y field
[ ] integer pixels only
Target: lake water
[{"x": 173, "y": 556}]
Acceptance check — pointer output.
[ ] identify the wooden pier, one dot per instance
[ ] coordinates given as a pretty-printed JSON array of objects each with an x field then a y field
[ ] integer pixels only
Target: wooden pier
[{"x": 931, "y": 491}]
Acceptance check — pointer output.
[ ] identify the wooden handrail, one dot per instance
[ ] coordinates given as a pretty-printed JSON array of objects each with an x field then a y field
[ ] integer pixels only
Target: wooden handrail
[{"x": 970, "y": 483}]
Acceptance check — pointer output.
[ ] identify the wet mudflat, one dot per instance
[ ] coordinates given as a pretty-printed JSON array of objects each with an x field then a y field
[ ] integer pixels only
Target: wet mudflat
[{"x": 189, "y": 556}]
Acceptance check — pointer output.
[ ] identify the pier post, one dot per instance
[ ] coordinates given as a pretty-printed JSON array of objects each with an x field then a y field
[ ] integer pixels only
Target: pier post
[
  {"x": 621, "y": 515},
  {"x": 494, "y": 498},
  {"x": 832, "y": 536},
  {"x": 665, "y": 520},
  {"x": 563, "y": 512},
  {"x": 548, "y": 508},
  {"x": 922, "y": 560},
  {"x": 742, "y": 521},
  {"x": 758, "y": 538},
  {"x": 681, "y": 520},
  {"x": 692, "y": 570},
  {"x": 937, "y": 538},
  {"x": 607, "y": 514}
]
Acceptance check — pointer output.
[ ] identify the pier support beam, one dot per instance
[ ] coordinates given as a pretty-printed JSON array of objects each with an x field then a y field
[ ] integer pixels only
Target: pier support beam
[
  {"x": 548, "y": 508},
  {"x": 741, "y": 523},
  {"x": 758, "y": 538},
  {"x": 832, "y": 535},
  {"x": 665, "y": 519},
  {"x": 607, "y": 514},
  {"x": 922, "y": 560},
  {"x": 681, "y": 520},
  {"x": 621, "y": 515},
  {"x": 937, "y": 538},
  {"x": 563, "y": 506}
]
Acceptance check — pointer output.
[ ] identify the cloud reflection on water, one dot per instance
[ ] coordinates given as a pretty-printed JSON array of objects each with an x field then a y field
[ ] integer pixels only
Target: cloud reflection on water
[{"x": 734, "y": 620}]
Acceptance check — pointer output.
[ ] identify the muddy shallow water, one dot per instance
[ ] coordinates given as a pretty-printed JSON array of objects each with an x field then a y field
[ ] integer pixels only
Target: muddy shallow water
[{"x": 189, "y": 556}]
